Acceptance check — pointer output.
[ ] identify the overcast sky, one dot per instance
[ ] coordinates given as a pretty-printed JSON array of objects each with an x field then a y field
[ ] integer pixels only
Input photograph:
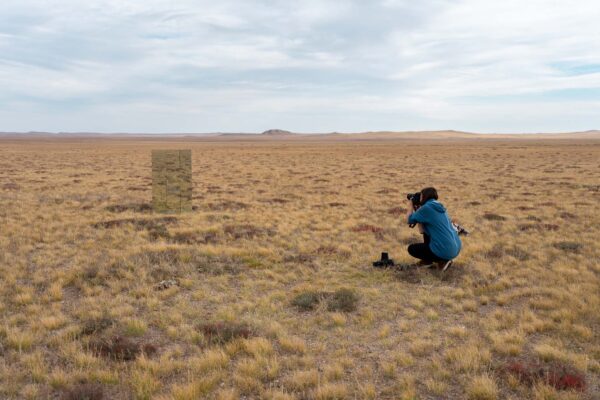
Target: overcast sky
[{"x": 305, "y": 66}]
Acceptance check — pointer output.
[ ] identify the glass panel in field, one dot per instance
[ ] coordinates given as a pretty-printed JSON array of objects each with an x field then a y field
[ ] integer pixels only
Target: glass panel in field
[{"x": 172, "y": 180}]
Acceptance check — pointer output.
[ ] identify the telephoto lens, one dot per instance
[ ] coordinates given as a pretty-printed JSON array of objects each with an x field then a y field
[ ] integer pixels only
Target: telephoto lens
[{"x": 415, "y": 198}]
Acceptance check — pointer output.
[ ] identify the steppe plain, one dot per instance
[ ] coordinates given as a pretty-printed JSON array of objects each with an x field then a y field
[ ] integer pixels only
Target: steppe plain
[{"x": 266, "y": 289}]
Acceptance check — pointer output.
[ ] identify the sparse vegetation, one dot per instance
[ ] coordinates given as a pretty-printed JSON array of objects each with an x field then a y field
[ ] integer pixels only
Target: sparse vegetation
[
  {"x": 344, "y": 300},
  {"x": 307, "y": 301},
  {"x": 265, "y": 290},
  {"x": 84, "y": 391},
  {"x": 223, "y": 332},
  {"x": 570, "y": 247},
  {"x": 121, "y": 348}
]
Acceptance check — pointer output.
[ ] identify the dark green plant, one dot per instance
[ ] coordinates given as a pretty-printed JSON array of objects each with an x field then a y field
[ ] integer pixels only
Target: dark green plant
[
  {"x": 224, "y": 331},
  {"x": 493, "y": 217},
  {"x": 570, "y": 247},
  {"x": 344, "y": 299},
  {"x": 307, "y": 301},
  {"x": 96, "y": 325}
]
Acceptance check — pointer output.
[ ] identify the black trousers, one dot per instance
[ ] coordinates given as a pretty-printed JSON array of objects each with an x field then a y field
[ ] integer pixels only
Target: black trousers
[{"x": 423, "y": 252}]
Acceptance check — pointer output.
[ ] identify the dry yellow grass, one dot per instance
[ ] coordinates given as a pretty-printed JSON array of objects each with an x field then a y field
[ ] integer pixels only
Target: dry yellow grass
[{"x": 203, "y": 301}]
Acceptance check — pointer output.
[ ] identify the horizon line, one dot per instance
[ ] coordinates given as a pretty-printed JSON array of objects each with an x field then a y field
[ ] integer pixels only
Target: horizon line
[{"x": 285, "y": 132}]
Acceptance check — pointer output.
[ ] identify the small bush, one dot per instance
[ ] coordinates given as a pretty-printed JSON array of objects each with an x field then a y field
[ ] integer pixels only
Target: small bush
[
  {"x": 539, "y": 227},
  {"x": 495, "y": 252},
  {"x": 165, "y": 284},
  {"x": 549, "y": 227},
  {"x": 367, "y": 228},
  {"x": 300, "y": 258},
  {"x": 493, "y": 217},
  {"x": 84, "y": 391},
  {"x": 326, "y": 250},
  {"x": 557, "y": 375},
  {"x": 246, "y": 231},
  {"x": 227, "y": 206},
  {"x": 121, "y": 348},
  {"x": 527, "y": 227},
  {"x": 223, "y": 332},
  {"x": 482, "y": 388},
  {"x": 518, "y": 253},
  {"x": 217, "y": 265},
  {"x": 90, "y": 272},
  {"x": 157, "y": 232},
  {"x": 137, "y": 223},
  {"x": 135, "y": 327},
  {"x": 345, "y": 300},
  {"x": 566, "y": 381},
  {"x": 194, "y": 237},
  {"x": 135, "y": 207},
  {"x": 11, "y": 186},
  {"x": 275, "y": 200},
  {"x": 569, "y": 247},
  {"x": 396, "y": 211},
  {"x": 568, "y": 215},
  {"x": 97, "y": 325},
  {"x": 498, "y": 252},
  {"x": 307, "y": 301}
]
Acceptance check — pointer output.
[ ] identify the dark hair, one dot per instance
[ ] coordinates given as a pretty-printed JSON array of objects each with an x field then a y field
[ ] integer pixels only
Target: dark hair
[{"x": 427, "y": 194}]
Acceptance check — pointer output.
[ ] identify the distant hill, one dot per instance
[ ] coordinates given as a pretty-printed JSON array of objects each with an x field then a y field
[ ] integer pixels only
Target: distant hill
[{"x": 276, "y": 132}]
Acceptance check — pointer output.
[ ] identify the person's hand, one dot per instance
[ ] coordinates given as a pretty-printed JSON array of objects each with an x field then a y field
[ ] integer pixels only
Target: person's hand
[{"x": 409, "y": 205}]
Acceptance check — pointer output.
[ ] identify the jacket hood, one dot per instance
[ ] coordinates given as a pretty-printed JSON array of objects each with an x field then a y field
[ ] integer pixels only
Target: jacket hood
[{"x": 436, "y": 205}]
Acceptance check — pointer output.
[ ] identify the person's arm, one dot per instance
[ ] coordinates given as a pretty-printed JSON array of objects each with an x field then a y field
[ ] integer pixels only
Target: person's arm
[
  {"x": 409, "y": 210},
  {"x": 415, "y": 217},
  {"x": 412, "y": 216}
]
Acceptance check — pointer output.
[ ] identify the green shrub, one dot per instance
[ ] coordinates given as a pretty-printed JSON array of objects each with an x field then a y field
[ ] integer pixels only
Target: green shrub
[
  {"x": 223, "y": 331},
  {"x": 570, "y": 247},
  {"x": 343, "y": 299},
  {"x": 307, "y": 301}
]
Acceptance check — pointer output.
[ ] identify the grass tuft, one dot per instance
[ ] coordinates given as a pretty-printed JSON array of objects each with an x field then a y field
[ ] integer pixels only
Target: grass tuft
[
  {"x": 568, "y": 247},
  {"x": 344, "y": 299},
  {"x": 223, "y": 332},
  {"x": 482, "y": 387},
  {"x": 557, "y": 375},
  {"x": 121, "y": 349},
  {"x": 84, "y": 391},
  {"x": 96, "y": 325},
  {"x": 307, "y": 301},
  {"x": 493, "y": 217}
]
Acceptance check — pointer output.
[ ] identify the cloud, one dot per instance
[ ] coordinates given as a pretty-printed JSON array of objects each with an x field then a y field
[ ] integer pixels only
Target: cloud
[{"x": 201, "y": 66}]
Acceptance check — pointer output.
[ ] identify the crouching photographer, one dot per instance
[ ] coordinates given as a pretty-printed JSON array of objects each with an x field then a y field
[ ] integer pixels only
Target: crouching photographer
[{"x": 441, "y": 243}]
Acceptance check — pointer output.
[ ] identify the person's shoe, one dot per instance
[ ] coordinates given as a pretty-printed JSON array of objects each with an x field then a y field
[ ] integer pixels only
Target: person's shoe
[
  {"x": 444, "y": 265},
  {"x": 425, "y": 264},
  {"x": 460, "y": 229}
]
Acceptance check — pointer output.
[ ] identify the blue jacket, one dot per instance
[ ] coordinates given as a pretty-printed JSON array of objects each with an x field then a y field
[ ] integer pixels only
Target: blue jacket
[{"x": 445, "y": 242}]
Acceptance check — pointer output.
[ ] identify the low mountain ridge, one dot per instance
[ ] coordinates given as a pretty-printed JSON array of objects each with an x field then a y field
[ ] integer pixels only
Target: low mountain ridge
[{"x": 277, "y": 132}]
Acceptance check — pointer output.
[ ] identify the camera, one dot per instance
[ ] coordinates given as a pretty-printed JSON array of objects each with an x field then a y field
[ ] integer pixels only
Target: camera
[{"x": 415, "y": 198}]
